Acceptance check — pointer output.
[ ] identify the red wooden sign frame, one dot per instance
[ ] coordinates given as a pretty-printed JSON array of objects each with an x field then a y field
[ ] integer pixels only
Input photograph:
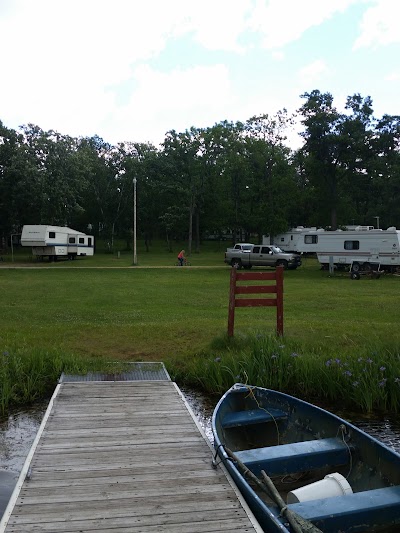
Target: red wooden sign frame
[{"x": 276, "y": 288}]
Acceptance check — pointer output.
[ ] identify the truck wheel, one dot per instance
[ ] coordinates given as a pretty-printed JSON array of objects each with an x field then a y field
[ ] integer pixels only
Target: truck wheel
[
  {"x": 236, "y": 263},
  {"x": 282, "y": 263},
  {"x": 355, "y": 275}
]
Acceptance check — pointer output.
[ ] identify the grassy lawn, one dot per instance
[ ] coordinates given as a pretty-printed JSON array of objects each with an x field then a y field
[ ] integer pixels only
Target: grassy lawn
[{"x": 157, "y": 312}]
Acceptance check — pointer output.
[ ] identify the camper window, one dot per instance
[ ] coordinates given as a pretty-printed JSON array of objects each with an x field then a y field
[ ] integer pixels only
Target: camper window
[
  {"x": 52, "y": 234},
  {"x": 351, "y": 245},
  {"x": 310, "y": 239},
  {"x": 71, "y": 240},
  {"x": 81, "y": 240}
]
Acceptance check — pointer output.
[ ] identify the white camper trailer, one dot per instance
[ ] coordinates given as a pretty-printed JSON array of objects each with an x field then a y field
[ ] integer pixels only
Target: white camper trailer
[
  {"x": 56, "y": 241},
  {"x": 360, "y": 250},
  {"x": 291, "y": 240},
  {"x": 304, "y": 240}
]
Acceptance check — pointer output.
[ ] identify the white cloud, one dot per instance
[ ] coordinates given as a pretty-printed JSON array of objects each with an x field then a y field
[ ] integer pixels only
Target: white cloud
[
  {"x": 217, "y": 24},
  {"x": 65, "y": 59},
  {"x": 278, "y": 55},
  {"x": 96, "y": 66},
  {"x": 393, "y": 76},
  {"x": 380, "y": 25},
  {"x": 176, "y": 100},
  {"x": 313, "y": 72},
  {"x": 283, "y": 21}
]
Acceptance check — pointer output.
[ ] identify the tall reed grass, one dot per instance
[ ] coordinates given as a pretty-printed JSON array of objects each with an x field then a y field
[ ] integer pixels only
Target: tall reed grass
[
  {"x": 28, "y": 375},
  {"x": 368, "y": 379}
]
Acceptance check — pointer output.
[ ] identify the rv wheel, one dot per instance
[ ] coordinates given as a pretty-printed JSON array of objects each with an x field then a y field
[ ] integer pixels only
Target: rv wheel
[
  {"x": 356, "y": 267},
  {"x": 355, "y": 275}
]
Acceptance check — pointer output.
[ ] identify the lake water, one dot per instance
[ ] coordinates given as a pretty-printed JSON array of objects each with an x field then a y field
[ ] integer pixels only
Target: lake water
[{"x": 18, "y": 432}]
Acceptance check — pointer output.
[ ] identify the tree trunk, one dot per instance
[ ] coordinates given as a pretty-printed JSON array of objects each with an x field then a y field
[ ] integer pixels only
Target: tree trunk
[
  {"x": 197, "y": 231},
  {"x": 190, "y": 235},
  {"x": 190, "y": 231}
]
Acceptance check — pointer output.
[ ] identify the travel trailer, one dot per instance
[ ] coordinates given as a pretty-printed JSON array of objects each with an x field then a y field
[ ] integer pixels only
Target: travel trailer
[
  {"x": 304, "y": 240},
  {"x": 290, "y": 241},
  {"x": 56, "y": 241},
  {"x": 360, "y": 250}
]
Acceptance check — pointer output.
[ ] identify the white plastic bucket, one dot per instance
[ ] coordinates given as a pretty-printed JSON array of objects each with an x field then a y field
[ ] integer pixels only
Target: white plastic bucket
[{"x": 332, "y": 485}]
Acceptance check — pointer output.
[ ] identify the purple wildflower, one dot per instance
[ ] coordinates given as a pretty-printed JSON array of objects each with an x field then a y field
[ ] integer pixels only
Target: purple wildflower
[
  {"x": 382, "y": 368},
  {"x": 383, "y": 382}
]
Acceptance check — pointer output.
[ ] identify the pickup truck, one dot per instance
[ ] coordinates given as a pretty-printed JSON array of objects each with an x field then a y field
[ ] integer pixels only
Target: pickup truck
[{"x": 247, "y": 255}]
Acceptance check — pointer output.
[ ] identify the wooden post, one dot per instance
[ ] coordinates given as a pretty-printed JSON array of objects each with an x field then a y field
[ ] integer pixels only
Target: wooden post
[
  {"x": 231, "y": 312},
  {"x": 279, "y": 300}
]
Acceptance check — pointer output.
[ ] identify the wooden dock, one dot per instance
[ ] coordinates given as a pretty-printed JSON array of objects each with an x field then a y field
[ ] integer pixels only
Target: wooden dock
[{"x": 123, "y": 456}]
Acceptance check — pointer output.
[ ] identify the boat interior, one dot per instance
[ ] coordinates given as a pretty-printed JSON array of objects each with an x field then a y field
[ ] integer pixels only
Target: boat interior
[{"x": 298, "y": 445}]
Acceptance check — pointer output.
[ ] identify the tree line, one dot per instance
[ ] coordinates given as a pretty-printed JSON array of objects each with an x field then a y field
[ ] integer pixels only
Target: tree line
[{"x": 239, "y": 177}]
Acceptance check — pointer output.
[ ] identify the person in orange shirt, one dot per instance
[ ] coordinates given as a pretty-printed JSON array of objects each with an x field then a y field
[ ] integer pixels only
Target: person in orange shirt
[{"x": 181, "y": 257}]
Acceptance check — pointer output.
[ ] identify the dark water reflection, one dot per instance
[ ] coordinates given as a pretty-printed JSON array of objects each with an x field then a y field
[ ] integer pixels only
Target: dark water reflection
[
  {"x": 383, "y": 428},
  {"x": 18, "y": 432}
]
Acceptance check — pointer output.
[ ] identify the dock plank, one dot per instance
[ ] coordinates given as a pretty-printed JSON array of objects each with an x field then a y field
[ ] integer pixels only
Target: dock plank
[{"x": 124, "y": 456}]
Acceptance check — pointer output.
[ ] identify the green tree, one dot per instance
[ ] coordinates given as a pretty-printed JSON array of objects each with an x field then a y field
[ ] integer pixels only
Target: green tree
[
  {"x": 272, "y": 191},
  {"x": 322, "y": 150}
]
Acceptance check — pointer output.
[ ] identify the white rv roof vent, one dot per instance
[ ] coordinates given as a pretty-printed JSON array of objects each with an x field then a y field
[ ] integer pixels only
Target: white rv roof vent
[{"x": 392, "y": 228}]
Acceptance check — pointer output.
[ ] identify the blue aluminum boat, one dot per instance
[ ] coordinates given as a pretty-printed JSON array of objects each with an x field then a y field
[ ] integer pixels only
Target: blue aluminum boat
[{"x": 327, "y": 473}]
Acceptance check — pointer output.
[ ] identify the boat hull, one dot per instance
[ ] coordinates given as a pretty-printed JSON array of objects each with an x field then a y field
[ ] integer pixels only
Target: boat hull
[{"x": 296, "y": 444}]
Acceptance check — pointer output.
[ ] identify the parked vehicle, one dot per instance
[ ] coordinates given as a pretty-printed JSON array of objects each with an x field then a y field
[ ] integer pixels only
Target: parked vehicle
[
  {"x": 320, "y": 470},
  {"x": 56, "y": 241},
  {"x": 247, "y": 255},
  {"x": 304, "y": 240},
  {"x": 289, "y": 241},
  {"x": 361, "y": 251}
]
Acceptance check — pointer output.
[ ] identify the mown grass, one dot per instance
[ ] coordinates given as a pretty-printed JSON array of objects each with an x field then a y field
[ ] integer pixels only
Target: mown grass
[
  {"x": 211, "y": 254},
  {"x": 64, "y": 316}
]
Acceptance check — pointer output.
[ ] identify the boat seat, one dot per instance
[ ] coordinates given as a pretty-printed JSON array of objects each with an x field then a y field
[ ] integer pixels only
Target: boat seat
[
  {"x": 296, "y": 457},
  {"x": 251, "y": 416},
  {"x": 341, "y": 513}
]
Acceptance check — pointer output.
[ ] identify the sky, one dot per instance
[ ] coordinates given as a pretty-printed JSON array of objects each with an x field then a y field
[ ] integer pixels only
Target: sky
[{"x": 131, "y": 70}]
